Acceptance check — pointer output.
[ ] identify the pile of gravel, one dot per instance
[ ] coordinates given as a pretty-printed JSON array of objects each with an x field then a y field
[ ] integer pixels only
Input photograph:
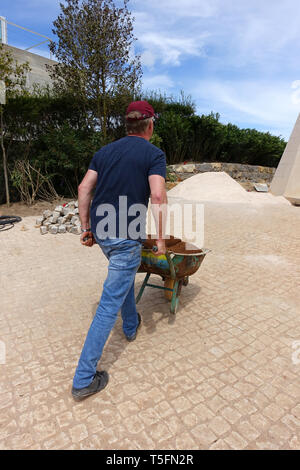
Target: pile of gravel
[{"x": 63, "y": 219}]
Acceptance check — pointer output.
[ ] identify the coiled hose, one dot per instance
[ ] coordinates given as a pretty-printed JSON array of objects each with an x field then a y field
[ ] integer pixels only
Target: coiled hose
[{"x": 8, "y": 221}]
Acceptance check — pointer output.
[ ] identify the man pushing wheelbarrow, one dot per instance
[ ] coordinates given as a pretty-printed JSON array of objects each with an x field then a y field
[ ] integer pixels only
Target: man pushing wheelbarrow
[{"x": 124, "y": 175}]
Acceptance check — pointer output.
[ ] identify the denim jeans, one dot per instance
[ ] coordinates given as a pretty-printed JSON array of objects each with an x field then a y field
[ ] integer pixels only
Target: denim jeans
[{"x": 118, "y": 293}]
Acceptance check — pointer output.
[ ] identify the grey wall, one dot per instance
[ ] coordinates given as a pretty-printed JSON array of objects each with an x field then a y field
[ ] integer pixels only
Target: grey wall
[{"x": 37, "y": 64}]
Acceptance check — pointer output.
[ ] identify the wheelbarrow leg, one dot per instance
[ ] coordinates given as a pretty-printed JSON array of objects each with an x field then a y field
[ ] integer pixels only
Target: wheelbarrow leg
[
  {"x": 142, "y": 288},
  {"x": 175, "y": 299}
]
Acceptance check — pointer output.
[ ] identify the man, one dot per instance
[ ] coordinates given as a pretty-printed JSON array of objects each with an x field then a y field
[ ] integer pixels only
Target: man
[{"x": 133, "y": 169}]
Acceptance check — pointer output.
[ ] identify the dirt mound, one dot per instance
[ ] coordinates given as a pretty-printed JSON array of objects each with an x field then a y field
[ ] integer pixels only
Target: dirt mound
[{"x": 220, "y": 187}]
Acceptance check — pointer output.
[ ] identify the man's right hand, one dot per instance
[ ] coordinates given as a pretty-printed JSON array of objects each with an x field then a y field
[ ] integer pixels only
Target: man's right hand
[
  {"x": 161, "y": 247},
  {"x": 87, "y": 239}
]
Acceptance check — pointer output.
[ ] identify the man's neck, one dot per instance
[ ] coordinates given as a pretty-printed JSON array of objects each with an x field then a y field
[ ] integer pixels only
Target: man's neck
[{"x": 146, "y": 137}]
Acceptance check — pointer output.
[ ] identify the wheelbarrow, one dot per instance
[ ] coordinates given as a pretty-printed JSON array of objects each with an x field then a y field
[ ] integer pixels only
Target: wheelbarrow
[{"x": 174, "y": 269}]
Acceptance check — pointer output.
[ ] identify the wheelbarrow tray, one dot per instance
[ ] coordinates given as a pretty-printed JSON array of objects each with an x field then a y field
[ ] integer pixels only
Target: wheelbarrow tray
[
  {"x": 176, "y": 267},
  {"x": 184, "y": 264}
]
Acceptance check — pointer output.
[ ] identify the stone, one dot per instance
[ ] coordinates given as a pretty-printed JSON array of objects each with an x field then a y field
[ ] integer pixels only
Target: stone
[
  {"x": 53, "y": 229},
  {"x": 55, "y": 217},
  {"x": 62, "y": 229},
  {"x": 39, "y": 221},
  {"x": 70, "y": 214},
  {"x": 68, "y": 227},
  {"x": 189, "y": 168},
  {"x": 43, "y": 230},
  {"x": 76, "y": 211},
  {"x": 179, "y": 169},
  {"x": 58, "y": 209},
  {"x": 47, "y": 214},
  {"x": 74, "y": 220},
  {"x": 65, "y": 210},
  {"x": 46, "y": 224},
  {"x": 76, "y": 230}
]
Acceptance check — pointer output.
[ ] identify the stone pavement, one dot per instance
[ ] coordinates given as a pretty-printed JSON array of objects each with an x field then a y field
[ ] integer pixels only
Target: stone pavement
[{"x": 222, "y": 374}]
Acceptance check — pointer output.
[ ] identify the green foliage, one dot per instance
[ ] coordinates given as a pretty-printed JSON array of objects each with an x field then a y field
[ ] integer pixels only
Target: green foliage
[
  {"x": 170, "y": 175},
  {"x": 13, "y": 76},
  {"x": 51, "y": 132},
  {"x": 66, "y": 153},
  {"x": 207, "y": 137},
  {"x": 96, "y": 64},
  {"x": 156, "y": 140},
  {"x": 175, "y": 133},
  {"x": 251, "y": 146}
]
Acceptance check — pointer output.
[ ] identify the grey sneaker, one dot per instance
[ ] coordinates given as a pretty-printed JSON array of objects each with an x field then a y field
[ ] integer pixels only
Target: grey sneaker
[
  {"x": 99, "y": 383},
  {"x": 132, "y": 338}
]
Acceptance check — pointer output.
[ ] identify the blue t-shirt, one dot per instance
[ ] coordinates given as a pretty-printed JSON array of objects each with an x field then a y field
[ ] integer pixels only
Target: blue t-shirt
[{"x": 122, "y": 193}]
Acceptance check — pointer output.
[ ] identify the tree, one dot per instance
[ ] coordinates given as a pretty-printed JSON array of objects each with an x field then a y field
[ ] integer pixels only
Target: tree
[
  {"x": 95, "y": 57},
  {"x": 13, "y": 75}
]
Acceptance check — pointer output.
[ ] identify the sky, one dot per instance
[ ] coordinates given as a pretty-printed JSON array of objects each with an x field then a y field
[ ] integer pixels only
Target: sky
[{"x": 239, "y": 58}]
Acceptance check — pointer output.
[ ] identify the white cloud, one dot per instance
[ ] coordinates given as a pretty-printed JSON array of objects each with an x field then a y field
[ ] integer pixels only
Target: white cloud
[
  {"x": 260, "y": 103},
  {"x": 169, "y": 50},
  {"x": 157, "y": 82},
  {"x": 179, "y": 8}
]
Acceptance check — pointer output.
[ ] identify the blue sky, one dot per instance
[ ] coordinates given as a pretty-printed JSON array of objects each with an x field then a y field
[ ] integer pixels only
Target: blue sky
[{"x": 236, "y": 57}]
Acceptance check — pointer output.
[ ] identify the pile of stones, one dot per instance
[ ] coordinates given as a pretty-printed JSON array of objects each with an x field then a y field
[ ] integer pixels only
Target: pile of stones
[{"x": 63, "y": 219}]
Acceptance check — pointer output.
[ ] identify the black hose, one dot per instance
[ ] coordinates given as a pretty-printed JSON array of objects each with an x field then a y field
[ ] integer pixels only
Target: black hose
[{"x": 7, "y": 221}]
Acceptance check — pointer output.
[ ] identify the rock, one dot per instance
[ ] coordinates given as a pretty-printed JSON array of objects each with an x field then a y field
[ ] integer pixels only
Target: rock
[
  {"x": 189, "y": 168},
  {"x": 75, "y": 220},
  {"x": 47, "y": 214},
  {"x": 65, "y": 210},
  {"x": 69, "y": 214},
  {"x": 76, "y": 230},
  {"x": 39, "y": 221},
  {"x": 76, "y": 211},
  {"x": 58, "y": 209},
  {"x": 76, "y": 204},
  {"x": 46, "y": 224},
  {"x": 62, "y": 229},
  {"x": 179, "y": 169},
  {"x": 53, "y": 229},
  {"x": 55, "y": 217},
  {"x": 43, "y": 230},
  {"x": 68, "y": 227}
]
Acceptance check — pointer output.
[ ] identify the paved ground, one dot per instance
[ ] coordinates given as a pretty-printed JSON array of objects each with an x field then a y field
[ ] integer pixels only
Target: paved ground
[{"x": 224, "y": 373}]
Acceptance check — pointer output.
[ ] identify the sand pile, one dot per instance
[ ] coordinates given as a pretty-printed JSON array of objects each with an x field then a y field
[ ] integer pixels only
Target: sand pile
[{"x": 220, "y": 187}]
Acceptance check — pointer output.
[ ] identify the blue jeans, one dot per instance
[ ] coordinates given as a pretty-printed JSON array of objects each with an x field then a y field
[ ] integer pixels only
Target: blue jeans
[{"x": 118, "y": 293}]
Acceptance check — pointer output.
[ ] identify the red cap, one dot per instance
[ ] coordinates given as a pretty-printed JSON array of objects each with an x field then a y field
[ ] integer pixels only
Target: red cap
[{"x": 142, "y": 107}]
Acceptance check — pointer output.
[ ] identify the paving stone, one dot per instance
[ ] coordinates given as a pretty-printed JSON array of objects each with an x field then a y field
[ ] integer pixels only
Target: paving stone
[
  {"x": 172, "y": 387},
  {"x": 53, "y": 229},
  {"x": 62, "y": 229}
]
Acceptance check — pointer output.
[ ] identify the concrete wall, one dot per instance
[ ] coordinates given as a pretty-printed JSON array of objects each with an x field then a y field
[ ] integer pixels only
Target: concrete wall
[{"x": 37, "y": 64}]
